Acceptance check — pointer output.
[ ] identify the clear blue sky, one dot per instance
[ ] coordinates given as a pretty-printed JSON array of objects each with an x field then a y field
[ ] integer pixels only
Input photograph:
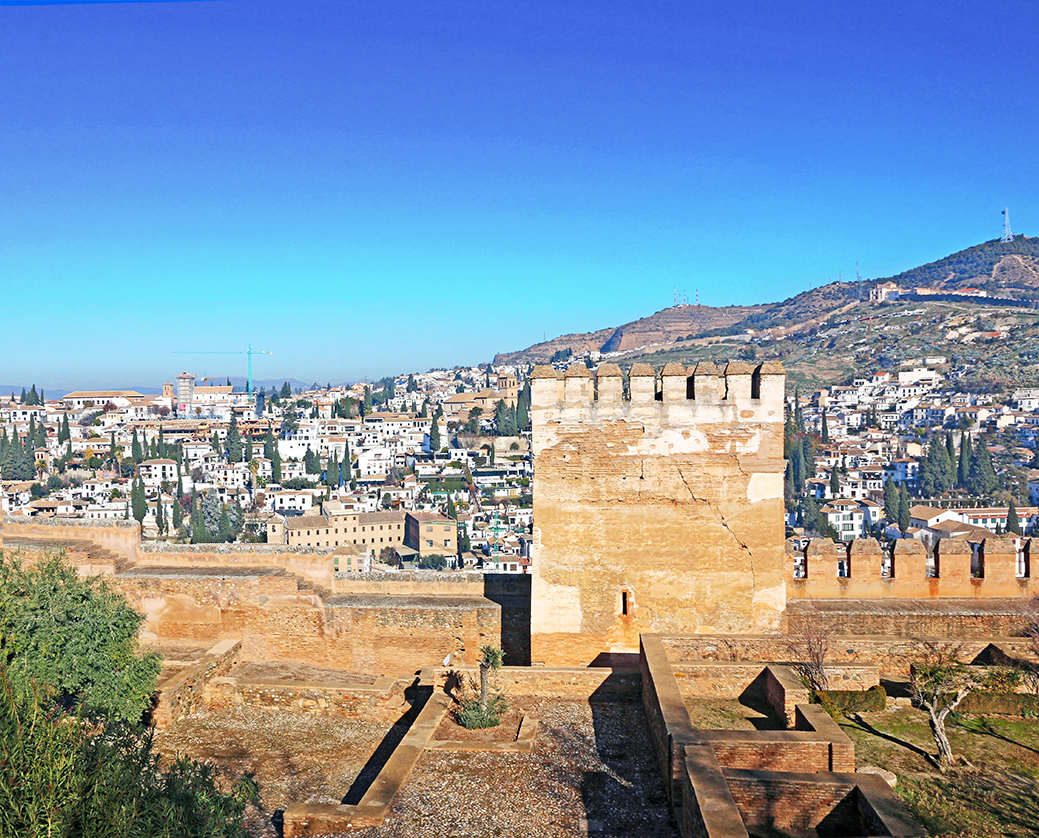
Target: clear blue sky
[{"x": 368, "y": 188}]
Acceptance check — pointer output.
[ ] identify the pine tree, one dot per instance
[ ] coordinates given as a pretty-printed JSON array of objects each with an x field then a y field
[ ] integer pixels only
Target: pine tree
[
  {"x": 903, "y": 509},
  {"x": 890, "y": 500},
  {"x": 1013, "y": 521},
  {"x": 286, "y": 391}
]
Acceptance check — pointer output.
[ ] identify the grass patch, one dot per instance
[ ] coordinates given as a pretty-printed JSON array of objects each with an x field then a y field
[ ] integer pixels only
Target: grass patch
[{"x": 997, "y": 795}]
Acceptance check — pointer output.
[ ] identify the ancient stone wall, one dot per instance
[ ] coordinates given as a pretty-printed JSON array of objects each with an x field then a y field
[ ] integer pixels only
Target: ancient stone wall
[
  {"x": 866, "y": 570},
  {"x": 657, "y": 507}
]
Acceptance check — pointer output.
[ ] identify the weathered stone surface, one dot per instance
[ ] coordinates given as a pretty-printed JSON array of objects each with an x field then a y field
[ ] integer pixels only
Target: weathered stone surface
[{"x": 661, "y": 512}]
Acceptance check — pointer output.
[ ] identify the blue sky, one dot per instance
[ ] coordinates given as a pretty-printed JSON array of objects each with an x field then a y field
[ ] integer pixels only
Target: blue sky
[{"x": 370, "y": 188}]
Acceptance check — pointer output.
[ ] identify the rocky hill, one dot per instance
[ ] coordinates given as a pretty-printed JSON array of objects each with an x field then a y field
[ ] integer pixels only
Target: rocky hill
[{"x": 828, "y": 334}]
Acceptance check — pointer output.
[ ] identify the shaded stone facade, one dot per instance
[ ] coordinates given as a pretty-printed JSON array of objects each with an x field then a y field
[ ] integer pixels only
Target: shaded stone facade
[{"x": 658, "y": 506}]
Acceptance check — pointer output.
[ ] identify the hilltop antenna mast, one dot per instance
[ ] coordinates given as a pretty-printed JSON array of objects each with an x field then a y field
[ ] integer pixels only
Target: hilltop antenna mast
[{"x": 1008, "y": 236}]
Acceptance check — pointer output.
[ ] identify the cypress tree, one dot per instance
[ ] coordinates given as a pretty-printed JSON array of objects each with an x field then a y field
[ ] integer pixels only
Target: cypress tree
[
  {"x": 451, "y": 511},
  {"x": 233, "y": 444},
  {"x": 249, "y": 448},
  {"x": 214, "y": 443},
  {"x": 963, "y": 467},
  {"x": 276, "y": 466},
  {"x": 835, "y": 484},
  {"x": 138, "y": 501},
  {"x": 332, "y": 471},
  {"x": 347, "y": 467},
  {"x": 982, "y": 479},
  {"x": 1013, "y": 521},
  {"x": 890, "y": 500},
  {"x": 903, "y": 509},
  {"x": 808, "y": 452},
  {"x": 160, "y": 519},
  {"x": 950, "y": 453},
  {"x": 412, "y": 386},
  {"x": 367, "y": 400},
  {"x": 434, "y": 435},
  {"x": 824, "y": 433},
  {"x": 135, "y": 448},
  {"x": 178, "y": 509},
  {"x": 224, "y": 527},
  {"x": 268, "y": 443},
  {"x": 23, "y": 396},
  {"x": 64, "y": 435}
]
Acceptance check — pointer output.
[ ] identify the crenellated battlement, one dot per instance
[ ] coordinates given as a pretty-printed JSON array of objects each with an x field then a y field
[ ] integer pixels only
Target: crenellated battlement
[
  {"x": 677, "y": 395},
  {"x": 865, "y": 569}
]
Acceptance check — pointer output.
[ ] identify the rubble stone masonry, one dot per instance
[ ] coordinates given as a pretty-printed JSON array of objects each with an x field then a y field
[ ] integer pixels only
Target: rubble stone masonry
[{"x": 658, "y": 507}]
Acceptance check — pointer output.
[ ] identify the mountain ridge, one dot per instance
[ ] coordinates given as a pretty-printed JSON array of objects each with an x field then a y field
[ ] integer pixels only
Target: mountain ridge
[{"x": 1007, "y": 270}]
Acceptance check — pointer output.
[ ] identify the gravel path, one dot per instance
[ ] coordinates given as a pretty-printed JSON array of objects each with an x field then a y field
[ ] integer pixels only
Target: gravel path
[{"x": 592, "y": 772}]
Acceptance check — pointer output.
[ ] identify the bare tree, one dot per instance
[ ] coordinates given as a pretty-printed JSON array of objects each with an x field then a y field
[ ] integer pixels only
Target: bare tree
[
  {"x": 808, "y": 642},
  {"x": 941, "y": 683}
]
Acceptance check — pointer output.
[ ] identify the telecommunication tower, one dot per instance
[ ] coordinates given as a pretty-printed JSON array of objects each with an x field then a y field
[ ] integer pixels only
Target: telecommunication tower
[{"x": 1007, "y": 236}]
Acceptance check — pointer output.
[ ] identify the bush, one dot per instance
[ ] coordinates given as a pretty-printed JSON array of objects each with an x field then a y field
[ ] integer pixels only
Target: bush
[
  {"x": 983, "y": 703},
  {"x": 841, "y": 702},
  {"x": 432, "y": 562},
  {"x": 472, "y": 716},
  {"x": 63, "y": 776}
]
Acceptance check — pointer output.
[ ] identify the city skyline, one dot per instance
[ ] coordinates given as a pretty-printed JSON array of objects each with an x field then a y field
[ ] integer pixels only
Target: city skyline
[{"x": 364, "y": 192}]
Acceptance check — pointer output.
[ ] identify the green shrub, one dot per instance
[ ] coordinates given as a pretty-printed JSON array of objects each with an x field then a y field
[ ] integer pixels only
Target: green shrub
[
  {"x": 472, "y": 716},
  {"x": 983, "y": 703},
  {"x": 841, "y": 702}
]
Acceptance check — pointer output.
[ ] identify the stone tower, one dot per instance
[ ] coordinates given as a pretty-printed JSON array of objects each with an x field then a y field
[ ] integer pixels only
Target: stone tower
[{"x": 657, "y": 507}]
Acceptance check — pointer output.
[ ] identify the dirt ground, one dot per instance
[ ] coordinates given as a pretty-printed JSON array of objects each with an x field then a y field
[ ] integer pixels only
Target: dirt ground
[
  {"x": 731, "y": 714},
  {"x": 294, "y": 672}
]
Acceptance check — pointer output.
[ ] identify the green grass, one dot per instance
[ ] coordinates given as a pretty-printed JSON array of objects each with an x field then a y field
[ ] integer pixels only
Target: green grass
[{"x": 997, "y": 794}]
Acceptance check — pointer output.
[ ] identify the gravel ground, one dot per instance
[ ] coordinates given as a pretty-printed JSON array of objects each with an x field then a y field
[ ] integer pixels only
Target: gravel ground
[
  {"x": 295, "y": 757},
  {"x": 592, "y": 771}
]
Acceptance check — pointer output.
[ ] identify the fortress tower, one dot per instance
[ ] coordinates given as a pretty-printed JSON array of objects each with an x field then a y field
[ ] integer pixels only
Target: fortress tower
[{"x": 657, "y": 507}]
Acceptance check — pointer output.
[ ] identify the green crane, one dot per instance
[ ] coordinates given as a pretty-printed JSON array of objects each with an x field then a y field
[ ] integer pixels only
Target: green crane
[{"x": 248, "y": 353}]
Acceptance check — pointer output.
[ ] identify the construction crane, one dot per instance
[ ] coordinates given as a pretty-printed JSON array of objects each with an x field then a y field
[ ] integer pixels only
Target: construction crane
[{"x": 249, "y": 352}]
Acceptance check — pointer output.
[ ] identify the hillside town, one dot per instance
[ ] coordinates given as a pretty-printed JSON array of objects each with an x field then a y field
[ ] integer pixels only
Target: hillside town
[
  {"x": 433, "y": 470},
  {"x": 429, "y": 470}
]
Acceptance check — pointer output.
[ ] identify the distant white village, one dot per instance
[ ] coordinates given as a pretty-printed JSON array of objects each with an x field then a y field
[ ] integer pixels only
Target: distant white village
[
  {"x": 433, "y": 470},
  {"x": 430, "y": 470}
]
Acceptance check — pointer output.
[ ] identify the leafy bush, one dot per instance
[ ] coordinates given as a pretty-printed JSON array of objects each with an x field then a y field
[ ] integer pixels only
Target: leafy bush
[
  {"x": 76, "y": 635},
  {"x": 61, "y": 775},
  {"x": 984, "y": 703},
  {"x": 471, "y": 715},
  {"x": 840, "y": 702}
]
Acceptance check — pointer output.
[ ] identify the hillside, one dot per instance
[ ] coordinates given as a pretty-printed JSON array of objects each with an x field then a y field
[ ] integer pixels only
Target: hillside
[{"x": 828, "y": 334}]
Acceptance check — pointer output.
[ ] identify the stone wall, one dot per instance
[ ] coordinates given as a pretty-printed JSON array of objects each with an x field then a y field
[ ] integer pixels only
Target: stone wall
[
  {"x": 382, "y": 700},
  {"x": 179, "y": 694},
  {"x": 659, "y": 511},
  {"x": 120, "y": 537},
  {"x": 278, "y": 620},
  {"x": 872, "y": 571},
  {"x": 891, "y": 655},
  {"x": 314, "y": 563}
]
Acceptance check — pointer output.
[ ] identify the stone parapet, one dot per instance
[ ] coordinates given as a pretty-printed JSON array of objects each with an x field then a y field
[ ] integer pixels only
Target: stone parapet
[{"x": 864, "y": 569}]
